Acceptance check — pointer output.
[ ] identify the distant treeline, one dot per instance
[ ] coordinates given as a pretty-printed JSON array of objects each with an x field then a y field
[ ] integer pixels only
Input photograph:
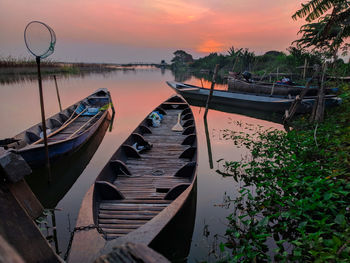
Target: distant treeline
[
  {"x": 25, "y": 66},
  {"x": 240, "y": 60}
]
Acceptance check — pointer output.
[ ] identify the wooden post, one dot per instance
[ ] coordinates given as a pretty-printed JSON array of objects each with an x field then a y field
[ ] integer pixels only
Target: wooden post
[
  {"x": 210, "y": 155},
  {"x": 298, "y": 99},
  {"x": 318, "y": 109},
  {"x": 211, "y": 90},
  {"x": 305, "y": 65},
  {"x": 54, "y": 230},
  {"x": 234, "y": 64},
  {"x": 43, "y": 123},
  {"x": 58, "y": 94}
]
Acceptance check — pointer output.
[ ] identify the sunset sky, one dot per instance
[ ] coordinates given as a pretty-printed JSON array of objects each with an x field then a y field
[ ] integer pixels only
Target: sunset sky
[{"x": 122, "y": 31}]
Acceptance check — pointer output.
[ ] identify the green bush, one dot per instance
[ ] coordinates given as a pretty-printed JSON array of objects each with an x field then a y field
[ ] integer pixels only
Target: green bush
[{"x": 296, "y": 192}]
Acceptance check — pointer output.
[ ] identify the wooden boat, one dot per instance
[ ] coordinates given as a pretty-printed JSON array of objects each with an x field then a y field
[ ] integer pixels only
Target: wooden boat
[
  {"x": 67, "y": 130},
  {"x": 139, "y": 192},
  {"x": 50, "y": 192},
  {"x": 256, "y": 102},
  {"x": 263, "y": 88}
]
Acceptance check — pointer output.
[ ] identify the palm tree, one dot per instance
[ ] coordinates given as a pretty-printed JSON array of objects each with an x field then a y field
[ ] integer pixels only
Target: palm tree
[{"x": 330, "y": 30}]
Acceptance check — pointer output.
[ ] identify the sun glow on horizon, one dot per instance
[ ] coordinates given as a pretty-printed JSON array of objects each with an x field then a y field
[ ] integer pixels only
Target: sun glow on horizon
[
  {"x": 198, "y": 26},
  {"x": 210, "y": 46}
]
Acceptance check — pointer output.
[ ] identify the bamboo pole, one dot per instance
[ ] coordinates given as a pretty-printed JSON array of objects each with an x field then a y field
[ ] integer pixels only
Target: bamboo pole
[
  {"x": 61, "y": 128},
  {"x": 210, "y": 155},
  {"x": 86, "y": 123},
  {"x": 58, "y": 94},
  {"x": 318, "y": 109},
  {"x": 298, "y": 99},
  {"x": 42, "y": 108},
  {"x": 305, "y": 65},
  {"x": 211, "y": 90}
]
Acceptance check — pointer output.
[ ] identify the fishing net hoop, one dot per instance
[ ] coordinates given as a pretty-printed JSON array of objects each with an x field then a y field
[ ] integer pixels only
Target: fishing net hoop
[{"x": 45, "y": 52}]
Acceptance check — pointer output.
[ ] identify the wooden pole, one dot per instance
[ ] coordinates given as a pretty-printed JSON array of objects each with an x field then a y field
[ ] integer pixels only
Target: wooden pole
[
  {"x": 58, "y": 94},
  {"x": 60, "y": 128},
  {"x": 210, "y": 155},
  {"x": 43, "y": 123},
  {"x": 211, "y": 90},
  {"x": 305, "y": 65},
  {"x": 298, "y": 99},
  {"x": 54, "y": 230},
  {"x": 318, "y": 109}
]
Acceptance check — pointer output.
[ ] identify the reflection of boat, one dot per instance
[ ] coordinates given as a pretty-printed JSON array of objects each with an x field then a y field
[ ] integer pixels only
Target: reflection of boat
[
  {"x": 142, "y": 188},
  {"x": 177, "y": 235},
  {"x": 65, "y": 171},
  {"x": 276, "y": 117},
  {"x": 256, "y": 102},
  {"x": 67, "y": 130}
]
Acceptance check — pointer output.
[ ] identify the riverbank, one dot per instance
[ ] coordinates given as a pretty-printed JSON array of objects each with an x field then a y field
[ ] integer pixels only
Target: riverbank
[
  {"x": 14, "y": 70},
  {"x": 28, "y": 67},
  {"x": 295, "y": 202}
]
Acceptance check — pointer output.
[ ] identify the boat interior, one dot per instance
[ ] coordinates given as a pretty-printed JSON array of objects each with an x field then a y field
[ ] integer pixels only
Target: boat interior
[
  {"x": 148, "y": 171},
  {"x": 63, "y": 124}
]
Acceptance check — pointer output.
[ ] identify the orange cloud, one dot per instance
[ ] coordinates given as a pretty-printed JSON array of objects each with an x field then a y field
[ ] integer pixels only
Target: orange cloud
[
  {"x": 210, "y": 46},
  {"x": 178, "y": 11}
]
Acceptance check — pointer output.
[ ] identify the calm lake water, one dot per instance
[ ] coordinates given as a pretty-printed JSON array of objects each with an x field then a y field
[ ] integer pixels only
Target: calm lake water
[{"x": 135, "y": 93}]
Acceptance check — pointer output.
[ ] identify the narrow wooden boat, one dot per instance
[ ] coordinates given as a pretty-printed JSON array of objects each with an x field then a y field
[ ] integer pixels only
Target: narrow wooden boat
[
  {"x": 275, "y": 89},
  {"x": 141, "y": 188},
  {"x": 67, "y": 130},
  {"x": 250, "y": 101}
]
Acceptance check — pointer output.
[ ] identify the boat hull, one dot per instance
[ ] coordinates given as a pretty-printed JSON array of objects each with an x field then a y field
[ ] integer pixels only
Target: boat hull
[
  {"x": 69, "y": 130},
  {"x": 36, "y": 157},
  {"x": 130, "y": 200},
  {"x": 256, "y": 102}
]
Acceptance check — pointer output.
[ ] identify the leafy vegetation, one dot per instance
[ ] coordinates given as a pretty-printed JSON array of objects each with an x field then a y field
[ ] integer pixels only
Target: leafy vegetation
[
  {"x": 328, "y": 26},
  {"x": 239, "y": 60},
  {"x": 295, "y": 199}
]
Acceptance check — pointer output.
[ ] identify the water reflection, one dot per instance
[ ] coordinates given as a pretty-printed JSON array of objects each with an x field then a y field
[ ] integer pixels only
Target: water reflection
[
  {"x": 189, "y": 77},
  {"x": 177, "y": 235},
  {"x": 134, "y": 93},
  {"x": 20, "y": 74},
  {"x": 65, "y": 171}
]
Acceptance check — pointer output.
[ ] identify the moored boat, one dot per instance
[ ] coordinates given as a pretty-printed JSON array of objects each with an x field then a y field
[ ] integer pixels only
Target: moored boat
[
  {"x": 269, "y": 89},
  {"x": 144, "y": 185},
  {"x": 67, "y": 130},
  {"x": 250, "y": 101}
]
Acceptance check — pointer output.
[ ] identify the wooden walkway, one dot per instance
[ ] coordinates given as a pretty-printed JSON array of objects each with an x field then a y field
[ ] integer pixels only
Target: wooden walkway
[{"x": 151, "y": 177}]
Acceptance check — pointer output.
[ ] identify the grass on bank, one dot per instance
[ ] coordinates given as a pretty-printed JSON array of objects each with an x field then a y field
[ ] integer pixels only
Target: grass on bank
[{"x": 295, "y": 201}]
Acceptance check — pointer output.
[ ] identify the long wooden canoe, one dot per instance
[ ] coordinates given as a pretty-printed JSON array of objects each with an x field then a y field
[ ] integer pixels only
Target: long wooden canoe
[
  {"x": 138, "y": 193},
  {"x": 267, "y": 89},
  {"x": 67, "y": 130},
  {"x": 256, "y": 102}
]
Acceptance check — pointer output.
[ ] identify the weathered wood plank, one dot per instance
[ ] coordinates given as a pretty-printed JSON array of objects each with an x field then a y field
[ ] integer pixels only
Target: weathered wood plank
[
  {"x": 129, "y": 217},
  {"x": 131, "y": 253},
  {"x": 121, "y": 221},
  {"x": 142, "y": 200}
]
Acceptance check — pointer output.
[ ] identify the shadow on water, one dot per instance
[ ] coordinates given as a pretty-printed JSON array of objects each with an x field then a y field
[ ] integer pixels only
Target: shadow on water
[
  {"x": 262, "y": 115},
  {"x": 65, "y": 171},
  {"x": 174, "y": 242},
  {"x": 181, "y": 76}
]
